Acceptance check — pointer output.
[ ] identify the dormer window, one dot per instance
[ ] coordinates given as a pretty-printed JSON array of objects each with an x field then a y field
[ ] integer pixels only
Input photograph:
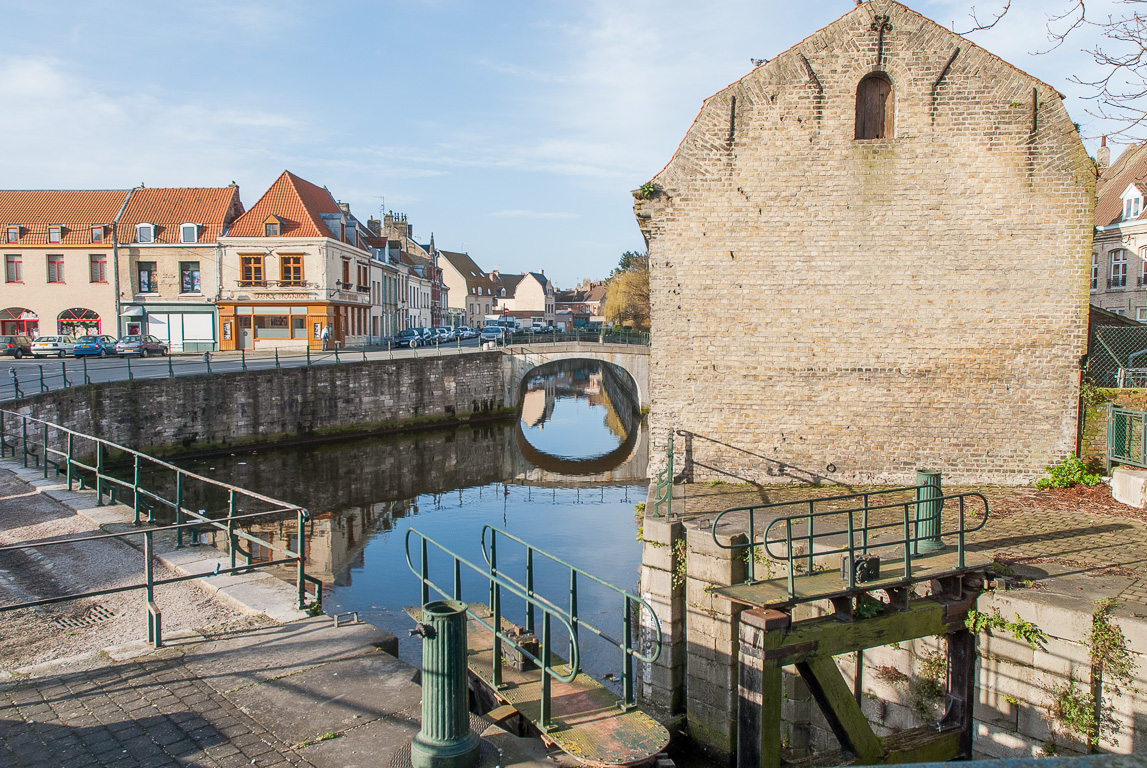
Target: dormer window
[
  {"x": 271, "y": 229},
  {"x": 97, "y": 234},
  {"x": 1132, "y": 202},
  {"x": 13, "y": 235},
  {"x": 54, "y": 234},
  {"x": 188, "y": 233},
  {"x": 145, "y": 233}
]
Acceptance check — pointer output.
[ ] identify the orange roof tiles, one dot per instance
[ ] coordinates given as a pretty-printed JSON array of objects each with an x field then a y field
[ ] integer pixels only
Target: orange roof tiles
[
  {"x": 297, "y": 202},
  {"x": 212, "y": 208},
  {"x": 35, "y": 210},
  {"x": 1130, "y": 168}
]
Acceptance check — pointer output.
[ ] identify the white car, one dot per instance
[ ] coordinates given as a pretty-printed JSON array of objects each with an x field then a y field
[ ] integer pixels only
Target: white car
[{"x": 60, "y": 346}]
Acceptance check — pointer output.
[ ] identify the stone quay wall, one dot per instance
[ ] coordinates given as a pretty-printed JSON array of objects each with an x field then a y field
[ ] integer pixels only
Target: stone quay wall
[
  {"x": 827, "y": 308},
  {"x": 204, "y": 413}
]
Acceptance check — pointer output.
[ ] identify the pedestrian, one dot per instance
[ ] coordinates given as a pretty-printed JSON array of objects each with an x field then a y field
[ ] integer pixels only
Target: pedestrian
[{"x": 326, "y": 337}]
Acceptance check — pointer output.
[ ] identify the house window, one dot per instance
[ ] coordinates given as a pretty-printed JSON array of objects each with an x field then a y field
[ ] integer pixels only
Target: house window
[
  {"x": 1117, "y": 310},
  {"x": 252, "y": 271},
  {"x": 1141, "y": 314},
  {"x": 875, "y": 105},
  {"x": 188, "y": 233},
  {"x": 13, "y": 268},
  {"x": 98, "y": 263},
  {"x": 54, "y": 235},
  {"x": 189, "y": 277},
  {"x": 97, "y": 234},
  {"x": 346, "y": 273},
  {"x": 144, "y": 233},
  {"x": 55, "y": 268},
  {"x": 1131, "y": 207},
  {"x": 271, "y": 229},
  {"x": 147, "y": 280},
  {"x": 291, "y": 269},
  {"x": 13, "y": 234},
  {"x": 1094, "y": 271},
  {"x": 1118, "y": 277}
]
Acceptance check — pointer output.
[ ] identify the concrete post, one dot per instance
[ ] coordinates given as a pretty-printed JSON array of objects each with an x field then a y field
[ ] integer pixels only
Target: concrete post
[
  {"x": 445, "y": 740},
  {"x": 662, "y": 682}
]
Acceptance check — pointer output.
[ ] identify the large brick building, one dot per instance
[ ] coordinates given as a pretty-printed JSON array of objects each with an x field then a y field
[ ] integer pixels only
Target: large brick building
[{"x": 871, "y": 254}]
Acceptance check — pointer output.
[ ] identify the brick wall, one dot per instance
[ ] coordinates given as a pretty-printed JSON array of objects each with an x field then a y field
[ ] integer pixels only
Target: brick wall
[
  {"x": 827, "y": 308},
  {"x": 212, "y": 412}
]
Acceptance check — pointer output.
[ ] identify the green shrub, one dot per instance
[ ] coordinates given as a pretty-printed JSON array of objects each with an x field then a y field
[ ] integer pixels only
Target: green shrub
[{"x": 1070, "y": 471}]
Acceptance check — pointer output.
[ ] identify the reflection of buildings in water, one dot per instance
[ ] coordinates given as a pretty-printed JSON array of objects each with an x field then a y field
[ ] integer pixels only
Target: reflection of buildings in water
[
  {"x": 537, "y": 406},
  {"x": 335, "y": 541}
]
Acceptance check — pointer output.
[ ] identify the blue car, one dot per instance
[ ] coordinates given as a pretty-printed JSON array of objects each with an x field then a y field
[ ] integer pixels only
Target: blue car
[{"x": 100, "y": 346}]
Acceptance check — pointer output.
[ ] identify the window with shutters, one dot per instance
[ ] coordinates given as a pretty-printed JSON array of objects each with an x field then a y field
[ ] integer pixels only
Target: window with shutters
[{"x": 875, "y": 105}]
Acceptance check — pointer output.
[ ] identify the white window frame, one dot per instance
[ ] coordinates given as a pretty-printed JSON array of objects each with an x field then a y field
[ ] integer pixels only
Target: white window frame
[
  {"x": 1118, "y": 268},
  {"x": 55, "y": 231},
  {"x": 183, "y": 229},
  {"x": 141, "y": 229},
  {"x": 1132, "y": 202},
  {"x": 1141, "y": 314}
]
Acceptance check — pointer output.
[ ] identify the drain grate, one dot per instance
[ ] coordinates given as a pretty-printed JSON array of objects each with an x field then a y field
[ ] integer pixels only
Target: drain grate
[{"x": 94, "y": 615}]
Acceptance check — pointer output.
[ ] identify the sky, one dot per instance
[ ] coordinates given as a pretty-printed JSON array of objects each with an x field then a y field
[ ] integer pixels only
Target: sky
[{"x": 513, "y": 131}]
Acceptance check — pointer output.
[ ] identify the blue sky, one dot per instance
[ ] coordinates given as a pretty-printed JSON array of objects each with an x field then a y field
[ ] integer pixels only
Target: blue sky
[{"x": 512, "y": 130}]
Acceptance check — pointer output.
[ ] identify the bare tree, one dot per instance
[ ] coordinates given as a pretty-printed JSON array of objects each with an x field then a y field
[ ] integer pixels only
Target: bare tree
[{"x": 1119, "y": 95}]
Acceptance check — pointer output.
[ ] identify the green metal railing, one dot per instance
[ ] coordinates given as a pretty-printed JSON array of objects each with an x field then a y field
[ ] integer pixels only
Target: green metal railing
[
  {"x": 916, "y": 521},
  {"x": 55, "y": 448},
  {"x": 1126, "y": 437},
  {"x": 629, "y": 601},
  {"x": 663, "y": 490},
  {"x": 498, "y": 584}
]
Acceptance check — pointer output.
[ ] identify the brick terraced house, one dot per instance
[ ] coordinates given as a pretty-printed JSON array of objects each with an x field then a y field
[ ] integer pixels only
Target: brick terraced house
[
  {"x": 169, "y": 262},
  {"x": 871, "y": 255},
  {"x": 1119, "y": 255}
]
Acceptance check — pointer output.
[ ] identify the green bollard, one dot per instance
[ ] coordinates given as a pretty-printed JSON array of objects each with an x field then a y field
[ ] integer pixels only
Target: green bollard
[
  {"x": 446, "y": 740},
  {"x": 929, "y": 504}
]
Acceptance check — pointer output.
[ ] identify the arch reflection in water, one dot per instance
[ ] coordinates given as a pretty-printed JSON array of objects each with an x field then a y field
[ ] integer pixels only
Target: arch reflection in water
[{"x": 577, "y": 417}]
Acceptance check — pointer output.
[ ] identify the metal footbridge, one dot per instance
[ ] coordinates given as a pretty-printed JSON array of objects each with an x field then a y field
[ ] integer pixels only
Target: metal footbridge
[{"x": 522, "y": 666}]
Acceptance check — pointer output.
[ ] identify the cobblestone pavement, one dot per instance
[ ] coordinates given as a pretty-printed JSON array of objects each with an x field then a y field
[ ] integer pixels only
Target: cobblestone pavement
[
  {"x": 1088, "y": 534},
  {"x": 154, "y": 712}
]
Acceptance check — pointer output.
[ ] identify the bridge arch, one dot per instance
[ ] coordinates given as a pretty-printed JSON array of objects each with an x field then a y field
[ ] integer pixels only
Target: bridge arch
[{"x": 632, "y": 359}]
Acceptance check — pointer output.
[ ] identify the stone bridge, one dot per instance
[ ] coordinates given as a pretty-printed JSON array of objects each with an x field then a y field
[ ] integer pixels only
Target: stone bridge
[{"x": 633, "y": 359}]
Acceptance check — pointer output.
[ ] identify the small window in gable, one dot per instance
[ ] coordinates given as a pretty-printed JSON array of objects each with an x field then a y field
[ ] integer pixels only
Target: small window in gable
[
  {"x": 1132, "y": 202},
  {"x": 54, "y": 234},
  {"x": 875, "y": 105},
  {"x": 188, "y": 233},
  {"x": 97, "y": 234},
  {"x": 145, "y": 233},
  {"x": 272, "y": 226},
  {"x": 13, "y": 234}
]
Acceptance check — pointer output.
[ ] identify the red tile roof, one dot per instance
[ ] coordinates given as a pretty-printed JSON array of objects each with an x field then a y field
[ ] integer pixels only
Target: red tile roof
[
  {"x": 1130, "y": 168},
  {"x": 34, "y": 210},
  {"x": 212, "y": 208},
  {"x": 298, "y": 203}
]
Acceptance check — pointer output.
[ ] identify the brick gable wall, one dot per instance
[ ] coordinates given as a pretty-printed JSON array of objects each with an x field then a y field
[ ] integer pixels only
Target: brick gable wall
[{"x": 825, "y": 308}]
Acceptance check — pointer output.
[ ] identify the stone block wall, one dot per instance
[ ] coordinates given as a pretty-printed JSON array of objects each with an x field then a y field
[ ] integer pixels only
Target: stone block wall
[
  {"x": 827, "y": 308},
  {"x": 220, "y": 410}
]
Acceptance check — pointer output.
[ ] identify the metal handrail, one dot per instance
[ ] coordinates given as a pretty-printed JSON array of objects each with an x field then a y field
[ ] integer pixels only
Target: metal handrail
[
  {"x": 38, "y": 444},
  {"x": 497, "y": 584},
  {"x": 910, "y": 525},
  {"x": 625, "y": 645}
]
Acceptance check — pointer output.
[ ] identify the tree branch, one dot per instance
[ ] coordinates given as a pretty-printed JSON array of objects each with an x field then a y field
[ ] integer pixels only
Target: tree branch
[{"x": 980, "y": 25}]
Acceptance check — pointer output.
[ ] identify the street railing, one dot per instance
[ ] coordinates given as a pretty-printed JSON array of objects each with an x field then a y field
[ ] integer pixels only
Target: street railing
[
  {"x": 87, "y": 461},
  {"x": 1126, "y": 437}
]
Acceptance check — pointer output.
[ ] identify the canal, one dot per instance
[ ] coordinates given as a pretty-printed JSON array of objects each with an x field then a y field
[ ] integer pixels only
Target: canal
[{"x": 564, "y": 475}]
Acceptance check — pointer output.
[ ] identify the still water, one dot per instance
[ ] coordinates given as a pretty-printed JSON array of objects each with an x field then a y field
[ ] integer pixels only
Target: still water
[{"x": 564, "y": 476}]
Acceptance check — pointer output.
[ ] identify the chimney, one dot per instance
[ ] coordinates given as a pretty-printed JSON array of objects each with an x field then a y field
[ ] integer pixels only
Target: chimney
[
  {"x": 344, "y": 207},
  {"x": 1103, "y": 155},
  {"x": 375, "y": 226}
]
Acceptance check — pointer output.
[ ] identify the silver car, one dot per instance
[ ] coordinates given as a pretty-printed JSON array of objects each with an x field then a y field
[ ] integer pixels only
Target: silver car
[{"x": 59, "y": 346}]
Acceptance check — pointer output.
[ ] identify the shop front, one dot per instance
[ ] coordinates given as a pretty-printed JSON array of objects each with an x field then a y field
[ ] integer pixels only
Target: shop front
[
  {"x": 253, "y": 325},
  {"x": 185, "y": 328},
  {"x": 78, "y": 322},
  {"x": 18, "y": 321}
]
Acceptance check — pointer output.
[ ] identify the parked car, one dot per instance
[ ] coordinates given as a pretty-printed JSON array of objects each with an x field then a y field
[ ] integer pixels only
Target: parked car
[
  {"x": 15, "y": 346},
  {"x": 446, "y": 333},
  {"x": 53, "y": 345},
  {"x": 140, "y": 345},
  {"x": 411, "y": 337},
  {"x": 466, "y": 332},
  {"x": 100, "y": 346},
  {"x": 493, "y": 333}
]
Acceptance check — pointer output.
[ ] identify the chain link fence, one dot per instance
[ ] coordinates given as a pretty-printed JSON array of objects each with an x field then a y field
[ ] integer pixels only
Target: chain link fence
[{"x": 1118, "y": 356}]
